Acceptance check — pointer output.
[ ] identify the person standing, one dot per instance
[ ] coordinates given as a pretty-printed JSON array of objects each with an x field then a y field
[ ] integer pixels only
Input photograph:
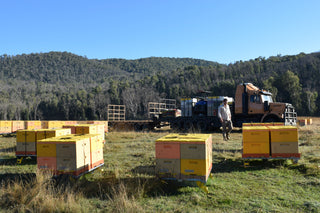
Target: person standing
[{"x": 225, "y": 117}]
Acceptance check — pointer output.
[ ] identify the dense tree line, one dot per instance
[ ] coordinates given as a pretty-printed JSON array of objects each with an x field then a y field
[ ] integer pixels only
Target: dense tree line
[{"x": 64, "y": 86}]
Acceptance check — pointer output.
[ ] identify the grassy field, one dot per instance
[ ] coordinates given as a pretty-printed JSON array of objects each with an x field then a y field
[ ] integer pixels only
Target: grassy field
[{"x": 127, "y": 182}]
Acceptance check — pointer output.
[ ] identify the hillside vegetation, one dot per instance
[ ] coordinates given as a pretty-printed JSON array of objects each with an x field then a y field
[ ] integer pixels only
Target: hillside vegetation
[{"x": 61, "y": 85}]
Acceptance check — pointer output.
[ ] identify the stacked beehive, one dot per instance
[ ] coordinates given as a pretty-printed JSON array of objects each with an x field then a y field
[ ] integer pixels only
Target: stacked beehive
[
  {"x": 26, "y": 143},
  {"x": 5, "y": 127},
  {"x": 255, "y": 141},
  {"x": 27, "y": 139},
  {"x": 186, "y": 156},
  {"x": 284, "y": 142},
  {"x": 70, "y": 154},
  {"x": 65, "y": 154},
  {"x": 270, "y": 142},
  {"x": 168, "y": 156}
]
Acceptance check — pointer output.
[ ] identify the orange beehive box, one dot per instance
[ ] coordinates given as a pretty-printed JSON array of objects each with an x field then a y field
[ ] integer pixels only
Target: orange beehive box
[
  {"x": 86, "y": 129},
  {"x": 167, "y": 150},
  {"x": 29, "y": 125},
  {"x": 309, "y": 121},
  {"x": 49, "y": 163},
  {"x": 303, "y": 122},
  {"x": 17, "y": 125}
]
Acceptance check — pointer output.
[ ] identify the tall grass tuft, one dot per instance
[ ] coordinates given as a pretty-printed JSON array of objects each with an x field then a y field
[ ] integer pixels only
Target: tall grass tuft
[{"x": 39, "y": 194}]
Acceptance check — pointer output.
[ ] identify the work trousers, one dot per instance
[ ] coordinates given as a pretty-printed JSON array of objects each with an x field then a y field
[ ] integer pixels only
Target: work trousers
[{"x": 226, "y": 128}]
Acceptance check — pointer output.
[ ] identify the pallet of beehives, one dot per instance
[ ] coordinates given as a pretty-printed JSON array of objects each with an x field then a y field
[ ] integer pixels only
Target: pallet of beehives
[
  {"x": 255, "y": 142},
  {"x": 184, "y": 157},
  {"x": 71, "y": 154},
  {"x": 27, "y": 139}
]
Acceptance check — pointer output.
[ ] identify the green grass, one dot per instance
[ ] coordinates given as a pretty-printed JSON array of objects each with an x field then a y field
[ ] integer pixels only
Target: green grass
[{"x": 127, "y": 182}]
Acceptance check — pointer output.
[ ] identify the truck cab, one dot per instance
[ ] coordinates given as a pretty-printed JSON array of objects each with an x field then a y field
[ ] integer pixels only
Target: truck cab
[{"x": 256, "y": 105}]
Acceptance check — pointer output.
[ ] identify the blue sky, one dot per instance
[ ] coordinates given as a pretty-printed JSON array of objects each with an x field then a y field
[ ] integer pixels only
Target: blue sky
[{"x": 223, "y": 31}]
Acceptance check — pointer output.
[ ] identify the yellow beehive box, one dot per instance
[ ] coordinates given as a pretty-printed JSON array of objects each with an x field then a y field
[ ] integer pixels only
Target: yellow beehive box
[
  {"x": 41, "y": 134},
  {"x": 99, "y": 129},
  {"x": 31, "y": 136},
  {"x": 46, "y": 148},
  {"x": 96, "y": 158},
  {"x": 21, "y": 135},
  {"x": 57, "y": 132},
  {"x": 5, "y": 126},
  {"x": 96, "y": 142},
  {"x": 73, "y": 154},
  {"x": 255, "y": 134},
  {"x": 194, "y": 167},
  {"x": 255, "y": 148},
  {"x": 309, "y": 121},
  {"x": 283, "y": 134}
]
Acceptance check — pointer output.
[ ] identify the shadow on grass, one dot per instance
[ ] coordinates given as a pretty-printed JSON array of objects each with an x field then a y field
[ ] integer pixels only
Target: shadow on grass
[
  {"x": 10, "y": 149},
  {"x": 17, "y": 177},
  {"x": 230, "y": 165}
]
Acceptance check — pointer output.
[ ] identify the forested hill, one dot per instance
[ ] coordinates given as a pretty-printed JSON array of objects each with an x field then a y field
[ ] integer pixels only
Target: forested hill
[
  {"x": 61, "y": 85},
  {"x": 63, "y": 67}
]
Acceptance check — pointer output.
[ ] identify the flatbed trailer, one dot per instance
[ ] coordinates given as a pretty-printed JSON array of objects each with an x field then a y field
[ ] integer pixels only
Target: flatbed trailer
[{"x": 133, "y": 125}]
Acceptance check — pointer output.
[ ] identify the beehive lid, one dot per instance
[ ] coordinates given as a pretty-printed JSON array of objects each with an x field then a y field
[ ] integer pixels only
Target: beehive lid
[
  {"x": 184, "y": 138},
  {"x": 57, "y": 139},
  {"x": 283, "y": 128},
  {"x": 255, "y": 128}
]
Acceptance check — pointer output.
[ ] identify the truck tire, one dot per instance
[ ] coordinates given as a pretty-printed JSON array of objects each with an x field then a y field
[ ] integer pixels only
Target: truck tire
[
  {"x": 174, "y": 126},
  {"x": 188, "y": 125},
  {"x": 137, "y": 127},
  {"x": 202, "y": 125},
  {"x": 270, "y": 119}
]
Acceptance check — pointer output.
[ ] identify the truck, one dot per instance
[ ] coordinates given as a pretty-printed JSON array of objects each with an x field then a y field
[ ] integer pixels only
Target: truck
[{"x": 250, "y": 104}]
